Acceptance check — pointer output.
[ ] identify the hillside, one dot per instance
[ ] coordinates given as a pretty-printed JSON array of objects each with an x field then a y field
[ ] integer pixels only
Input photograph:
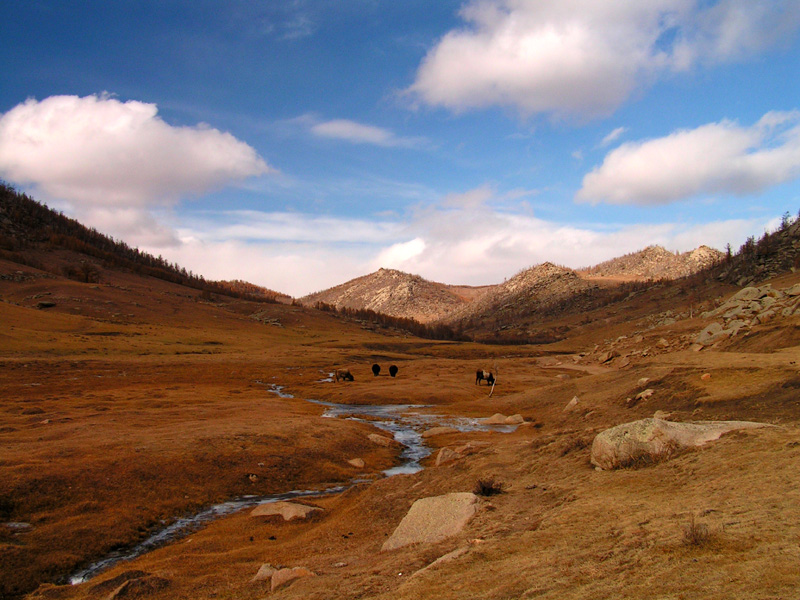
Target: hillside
[
  {"x": 530, "y": 290},
  {"x": 393, "y": 293}
]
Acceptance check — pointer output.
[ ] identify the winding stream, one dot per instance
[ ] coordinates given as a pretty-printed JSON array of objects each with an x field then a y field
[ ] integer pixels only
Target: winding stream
[{"x": 403, "y": 421}]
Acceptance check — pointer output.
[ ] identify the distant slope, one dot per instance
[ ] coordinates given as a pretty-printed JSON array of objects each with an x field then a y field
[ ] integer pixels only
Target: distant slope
[
  {"x": 656, "y": 262},
  {"x": 393, "y": 293},
  {"x": 34, "y": 235}
]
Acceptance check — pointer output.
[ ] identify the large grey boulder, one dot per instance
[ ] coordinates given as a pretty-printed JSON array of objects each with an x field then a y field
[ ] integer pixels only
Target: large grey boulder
[
  {"x": 433, "y": 519},
  {"x": 650, "y": 440}
]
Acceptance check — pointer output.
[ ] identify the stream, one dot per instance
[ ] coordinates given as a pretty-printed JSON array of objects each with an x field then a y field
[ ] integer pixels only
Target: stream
[{"x": 403, "y": 421}]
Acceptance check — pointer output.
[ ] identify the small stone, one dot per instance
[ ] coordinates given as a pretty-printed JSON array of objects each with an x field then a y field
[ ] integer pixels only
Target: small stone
[
  {"x": 358, "y": 463},
  {"x": 571, "y": 405},
  {"x": 705, "y": 376}
]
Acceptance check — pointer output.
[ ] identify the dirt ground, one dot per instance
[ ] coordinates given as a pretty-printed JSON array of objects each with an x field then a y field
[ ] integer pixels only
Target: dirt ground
[{"x": 133, "y": 402}]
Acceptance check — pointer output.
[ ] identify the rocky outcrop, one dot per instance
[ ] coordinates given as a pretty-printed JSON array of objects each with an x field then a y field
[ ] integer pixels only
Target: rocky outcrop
[
  {"x": 656, "y": 262},
  {"x": 747, "y": 308},
  {"x": 653, "y": 440},
  {"x": 433, "y": 519}
]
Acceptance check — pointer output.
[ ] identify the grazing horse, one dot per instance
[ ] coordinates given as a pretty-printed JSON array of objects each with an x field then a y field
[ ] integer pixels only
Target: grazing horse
[
  {"x": 393, "y": 370},
  {"x": 376, "y": 369},
  {"x": 480, "y": 375},
  {"x": 343, "y": 374}
]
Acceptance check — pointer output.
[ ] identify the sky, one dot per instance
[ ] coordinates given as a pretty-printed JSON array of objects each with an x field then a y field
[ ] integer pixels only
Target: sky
[{"x": 297, "y": 144}]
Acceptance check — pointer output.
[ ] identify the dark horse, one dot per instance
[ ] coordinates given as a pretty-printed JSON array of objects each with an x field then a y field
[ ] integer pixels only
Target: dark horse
[{"x": 480, "y": 375}]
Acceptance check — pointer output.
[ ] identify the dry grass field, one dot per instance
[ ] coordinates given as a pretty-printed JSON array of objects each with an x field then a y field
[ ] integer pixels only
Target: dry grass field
[{"x": 132, "y": 402}]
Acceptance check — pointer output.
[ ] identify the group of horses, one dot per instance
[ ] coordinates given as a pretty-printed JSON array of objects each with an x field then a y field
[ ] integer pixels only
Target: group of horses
[{"x": 346, "y": 375}]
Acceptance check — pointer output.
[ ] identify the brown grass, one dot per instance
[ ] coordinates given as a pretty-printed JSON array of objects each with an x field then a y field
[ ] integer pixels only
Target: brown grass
[{"x": 136, "y": 402}]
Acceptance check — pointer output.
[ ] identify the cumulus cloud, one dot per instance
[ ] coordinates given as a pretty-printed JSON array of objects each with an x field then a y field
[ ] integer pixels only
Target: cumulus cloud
[
  {"x": 721, "y": 157},
  {"x": 583, "y": 57},
  {"x": 99, "y": 151}
]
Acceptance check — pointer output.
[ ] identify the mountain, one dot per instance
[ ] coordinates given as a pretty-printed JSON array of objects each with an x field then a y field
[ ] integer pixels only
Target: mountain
[
  {"x": 394, "y": 293},
  {"x": 656, "y": 262},
  {"x": 527, "y": 291}
]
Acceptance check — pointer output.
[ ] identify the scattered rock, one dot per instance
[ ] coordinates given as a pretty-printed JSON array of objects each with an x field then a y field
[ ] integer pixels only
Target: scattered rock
[
  {"x": 496, "y": 419},
  {"x": 265, "y": 573},
  {"x": 571, "y": 405},
  {"x": 705, "y": 376},
  {"x": 284, "y": 577},
  {"x": 433, "y": 519},
  {"x": 434, "y": 431},
  {"x": 381, "y": 440},
  {"x": 139, "y": 587},
  {"x": 645, "y": 394},
  {"x": 287, "y": 510},
  {"x": 18, "y": 526},
  {"x": 446, "y": 455},
  {"x": 660, "y": 414},
  {"x": 651, "y": 440},
  {"x": 607, "y": 356},
  {"x": 449, "y": 557},
  {"x": 358, "y": 463},
  {"x": 515, "y": 420},
  {"x": 643, "y": 381},
  {"x": 113, "y": 583}
]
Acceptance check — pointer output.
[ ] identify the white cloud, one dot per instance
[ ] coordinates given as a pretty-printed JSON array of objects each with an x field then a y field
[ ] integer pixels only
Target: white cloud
[
  {"x": 584, "y": 57},
  {"x": 719, "y": 157},
  {"x": 358, "y": 133},
  {"x": 99, "y": 151},
  {"x": 464, "y": 239},
  {"x": 613, "y": 136}
]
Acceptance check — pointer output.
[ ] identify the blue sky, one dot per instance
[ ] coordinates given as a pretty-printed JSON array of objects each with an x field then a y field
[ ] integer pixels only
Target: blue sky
[{"x": 299, "y": 144}]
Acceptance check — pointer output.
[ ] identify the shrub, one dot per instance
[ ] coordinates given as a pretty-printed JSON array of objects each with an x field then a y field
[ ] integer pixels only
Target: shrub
[
  {"x": 488, "y": 487},
  {"x": 695, "y": 534}
]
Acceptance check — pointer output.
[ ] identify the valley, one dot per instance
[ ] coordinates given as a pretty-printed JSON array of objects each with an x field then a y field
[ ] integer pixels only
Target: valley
[{"x": 131, "y": 401}]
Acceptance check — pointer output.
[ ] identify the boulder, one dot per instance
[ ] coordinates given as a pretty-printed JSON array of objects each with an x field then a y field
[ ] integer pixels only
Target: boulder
[
  {"x": 495, "y": 419},
  {"x": 284, "y": 577},
  {"x": 749, "y": 293},
  {"x": 433, "y": 519},
  {"x": 287, "y": 510},
  {"x": 711, "y": 334},
  {"x": 651, "y": 440},
  {"x": 434, "y": 431},
  {"x": 607, "y": 356}
]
